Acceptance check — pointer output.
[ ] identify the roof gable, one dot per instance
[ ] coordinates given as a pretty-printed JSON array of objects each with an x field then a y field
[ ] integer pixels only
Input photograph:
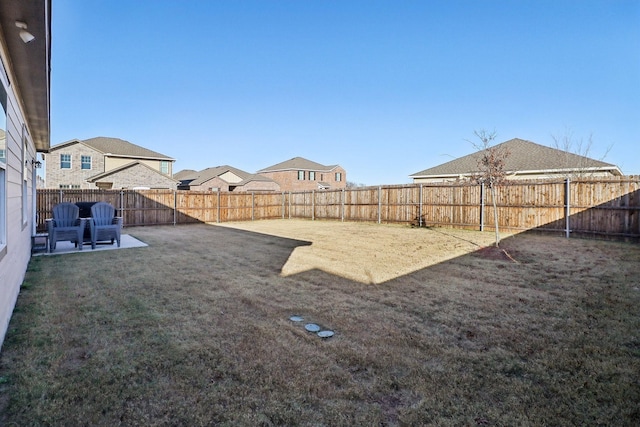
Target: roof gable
[
  {"x": 255, "y": 178},
  {"x": 523, "y": 156},
  {"x": 124, "y": 167},
  {"x": 218, "y": 172}
]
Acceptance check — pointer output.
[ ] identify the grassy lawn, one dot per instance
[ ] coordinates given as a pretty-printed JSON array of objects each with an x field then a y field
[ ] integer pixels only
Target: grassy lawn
[{"x": 194, "y": 330}]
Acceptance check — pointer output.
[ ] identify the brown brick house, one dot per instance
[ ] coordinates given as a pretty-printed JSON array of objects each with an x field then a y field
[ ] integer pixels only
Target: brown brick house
[
  {"x": 299, "y": 174},
  {"x": 224, "y": 178},
  {"x": 107, "y": 163}
]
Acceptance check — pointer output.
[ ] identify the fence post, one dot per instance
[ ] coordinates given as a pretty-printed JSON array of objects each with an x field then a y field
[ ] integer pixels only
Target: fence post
[
  {"x": 342, "y": 196},
  {"x": 283, "y": 205},
  {"x": 482, "y": 206},
  {"x": 122, "y": 206},
  {"x": 289, "y": 204},
  {"x": 420, "y": 206},
  {"x": 218, "y": 218},
  {"x": 175, "y": 206},
  {"x": 313, "y": 205},
  {"x": 567, "y": 212},
  {"x": 253, "y": 205},
  {"x": 379, "y": 203}
]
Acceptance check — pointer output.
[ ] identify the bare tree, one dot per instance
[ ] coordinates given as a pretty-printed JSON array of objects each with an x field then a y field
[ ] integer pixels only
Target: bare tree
[
  {"x": 491, "y": 166},
  {"x": 576, "y": 152},
  {"x": 351, "y": 184}
]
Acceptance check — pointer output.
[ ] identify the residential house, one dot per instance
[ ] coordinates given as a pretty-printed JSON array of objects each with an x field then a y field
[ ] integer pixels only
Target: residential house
[
  {"x": 224, "y": 178},
  {"x": 299, "y": 174},
  {"x": 25, "y": 61},
  {"x": 107, "y": 163},
  {"x": 526, "y": 160}
]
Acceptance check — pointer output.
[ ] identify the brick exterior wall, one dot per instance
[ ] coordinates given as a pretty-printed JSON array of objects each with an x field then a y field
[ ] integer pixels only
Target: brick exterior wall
[
  {"x": 54, "y": 176},
  {"x": 138, "y": 176},
  {"x": 289, "y": 181}
]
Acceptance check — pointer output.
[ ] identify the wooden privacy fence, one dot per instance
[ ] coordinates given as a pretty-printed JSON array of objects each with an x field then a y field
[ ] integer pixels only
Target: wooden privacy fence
[{"x": 608, "y": 208}]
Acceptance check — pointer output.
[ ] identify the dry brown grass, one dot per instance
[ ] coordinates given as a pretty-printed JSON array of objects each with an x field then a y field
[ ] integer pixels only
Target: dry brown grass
[{"x": 195, "y": 330}]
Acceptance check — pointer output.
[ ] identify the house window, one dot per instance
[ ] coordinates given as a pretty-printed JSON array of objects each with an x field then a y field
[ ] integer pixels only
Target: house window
[
  {"x": 65, "y": 161},
  {"x": 338, "y": 176},
  {"x": 312, "y": 176},
  {"x": 300, "y": 175},
  {"x": 164, "y": 167},
  {"x": 85, "y": 162}
]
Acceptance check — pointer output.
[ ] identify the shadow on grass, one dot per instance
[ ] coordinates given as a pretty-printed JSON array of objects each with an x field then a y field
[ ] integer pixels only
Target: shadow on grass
[{"x": 195, "y": 330}]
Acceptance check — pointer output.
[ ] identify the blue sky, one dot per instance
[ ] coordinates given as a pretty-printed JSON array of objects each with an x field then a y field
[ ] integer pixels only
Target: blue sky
[{"x": 383, "y": 88}]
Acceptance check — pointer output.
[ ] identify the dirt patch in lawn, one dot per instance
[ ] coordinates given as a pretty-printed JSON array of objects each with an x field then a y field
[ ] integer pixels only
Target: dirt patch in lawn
[{"x": 366, "y": 253}]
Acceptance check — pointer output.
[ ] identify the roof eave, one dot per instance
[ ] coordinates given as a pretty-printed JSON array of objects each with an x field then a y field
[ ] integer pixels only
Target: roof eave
[
  {"x": 30, "y": 64},
  {"x": 127, "y": 156}
]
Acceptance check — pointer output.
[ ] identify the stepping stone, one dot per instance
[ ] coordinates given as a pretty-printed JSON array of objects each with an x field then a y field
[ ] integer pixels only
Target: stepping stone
[{"x": 312, "y": 327}]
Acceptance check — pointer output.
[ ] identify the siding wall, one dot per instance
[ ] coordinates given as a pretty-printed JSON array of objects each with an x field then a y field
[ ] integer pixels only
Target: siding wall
[
  {"x": 14, "y": 257},
  {"x": 116, "y": 162}
]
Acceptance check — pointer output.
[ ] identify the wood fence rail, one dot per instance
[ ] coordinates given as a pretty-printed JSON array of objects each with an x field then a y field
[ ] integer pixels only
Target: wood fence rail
[{"x": 596, "y": 207}]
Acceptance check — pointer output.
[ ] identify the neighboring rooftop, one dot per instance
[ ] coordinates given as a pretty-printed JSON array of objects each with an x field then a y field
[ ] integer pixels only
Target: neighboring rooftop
[
  {"x": 195, "y": 178},
  {"x": 524, "y": 156},
  {"x": 116, "y": 147},
  {"x": 209, "y": 173},
  {"x": 298, "y": 163}
]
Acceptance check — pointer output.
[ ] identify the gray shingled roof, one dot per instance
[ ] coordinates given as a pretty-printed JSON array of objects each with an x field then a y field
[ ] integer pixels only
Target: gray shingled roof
[
  {"x": 210, "y": 173},
  {"x": 185, "y": 174},
  {"x": 117, "y": 147},
  {"x": 298, "y": 163},
  {"x": 523, "y": 156},
  {"x": 255, "y": 177},
  {"x": 199, "y": 178}
]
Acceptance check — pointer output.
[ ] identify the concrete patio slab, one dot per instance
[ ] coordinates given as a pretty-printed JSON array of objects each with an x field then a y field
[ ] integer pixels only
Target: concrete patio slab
[{"x": 126, "y": 242}]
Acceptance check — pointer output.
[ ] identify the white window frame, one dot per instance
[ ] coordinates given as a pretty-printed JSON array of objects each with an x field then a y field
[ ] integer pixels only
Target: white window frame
[
  {"x": 70, "y": 164},
  {"x": 338, "y": 176},
  {"x": 312, "y": 176},
  {"x": 83, "y": 162},
  {"x": 300, "y": 175},
  {"x": 164, "y": 167}
]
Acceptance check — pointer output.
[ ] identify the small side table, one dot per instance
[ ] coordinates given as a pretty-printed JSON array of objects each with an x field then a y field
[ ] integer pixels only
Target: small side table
[{"x": 40, "y": 243}]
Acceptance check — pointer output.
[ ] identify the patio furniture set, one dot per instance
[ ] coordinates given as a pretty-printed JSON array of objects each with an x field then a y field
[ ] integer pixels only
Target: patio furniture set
[{"x": 78, "y": 223}]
